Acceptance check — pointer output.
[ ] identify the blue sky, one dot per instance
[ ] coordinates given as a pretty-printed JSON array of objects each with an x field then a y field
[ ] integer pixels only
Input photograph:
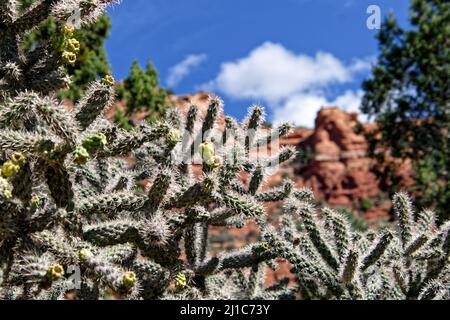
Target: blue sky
[{"x": 291, "y": 56}]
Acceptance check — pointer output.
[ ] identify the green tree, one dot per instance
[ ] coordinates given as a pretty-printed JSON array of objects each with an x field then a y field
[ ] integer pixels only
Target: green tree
[
  {"x": 409, "y": 96},
  {"x": 92, "y": 61},
  {"x": 141, "y": 90}
]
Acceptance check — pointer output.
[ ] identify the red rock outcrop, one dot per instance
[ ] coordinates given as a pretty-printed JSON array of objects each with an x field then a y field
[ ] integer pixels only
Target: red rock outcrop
[{"x": 339, "y": 170}]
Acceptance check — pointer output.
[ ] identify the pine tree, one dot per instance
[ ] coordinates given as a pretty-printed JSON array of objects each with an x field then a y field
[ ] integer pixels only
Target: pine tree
[{"x": 141, "y": 91}]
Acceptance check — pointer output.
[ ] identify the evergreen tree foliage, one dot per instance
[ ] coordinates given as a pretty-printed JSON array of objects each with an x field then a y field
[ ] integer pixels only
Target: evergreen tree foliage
[
  {"x": 409, "y": 96},
  {"x": 141, "y": 91}
]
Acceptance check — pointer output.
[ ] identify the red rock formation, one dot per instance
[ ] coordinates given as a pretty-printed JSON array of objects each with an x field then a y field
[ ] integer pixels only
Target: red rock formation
[{"x": 340, "y": 170}]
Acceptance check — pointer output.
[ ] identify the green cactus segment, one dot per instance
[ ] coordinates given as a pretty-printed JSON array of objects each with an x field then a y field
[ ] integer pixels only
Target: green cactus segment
[
  {"x": 114, "y": 277},
  {"x": 377, "y": 251},
  {"x": 307, "y": 213},
  {"x": 111, "y": 203},
  {"x": 108, "y": 234},
  {"x": 241, "y": 206}
]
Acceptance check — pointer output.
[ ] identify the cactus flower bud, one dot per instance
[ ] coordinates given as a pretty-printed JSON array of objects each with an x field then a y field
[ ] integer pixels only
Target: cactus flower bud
[
  {"x": 180, "y": 281},
  {"x": 81, "y": 155},
  {"x": 84, "y": 254},
  {"x": 264, "y": 246},
  {"x": 18, "y": 159},
  {"x": 55, "y": 272},
  {"x": 207, "y": 151},
  {"x": 35, "y": 201},
  {"x": 94, "y": 142},
  {"x": 5, "y": 189},
  {"x": 9, "y": 169},
  {"x": 129, "y": 280},
  {"x": 69, "y": 57},
  {"x": 108, "y": 80},
  {"x": 73, "y": 44},
  {"x": 214, "y": 162},
  {"x": 68, "y": 31},
  {"x": 173, "y": 137}
]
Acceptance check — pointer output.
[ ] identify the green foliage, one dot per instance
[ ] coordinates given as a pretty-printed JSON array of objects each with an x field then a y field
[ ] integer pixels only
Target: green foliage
[
  {"x": 365, "y": 204},
  {"x": 141, "y": 91},
  {"x": 121, "y": 120},
  {"x": 408, "y": 95}
]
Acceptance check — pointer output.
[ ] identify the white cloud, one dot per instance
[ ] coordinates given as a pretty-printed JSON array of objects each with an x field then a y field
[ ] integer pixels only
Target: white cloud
[
  {"x": 181, "y": 70},
  {"x": 271, "y": 72},
  {"x": 362, "y": 65},
  {"x": 301, "y": 109},
  {"x": 292, "y": 84},
  {"x": 350, "y": 101}
]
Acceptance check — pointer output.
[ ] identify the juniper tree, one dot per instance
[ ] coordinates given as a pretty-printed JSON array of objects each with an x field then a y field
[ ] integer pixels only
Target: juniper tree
[
  {"x": 70, "y": 198},
  {"x": 408, "y": 95},
  {"x": 141, "y": 90}
]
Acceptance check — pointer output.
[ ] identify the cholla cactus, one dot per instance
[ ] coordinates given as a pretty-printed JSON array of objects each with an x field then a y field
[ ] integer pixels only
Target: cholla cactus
[
  {"x": 68, "y": 198},
  {"x": 332, "y": 261},
  {"x": 70, "y": 201}
]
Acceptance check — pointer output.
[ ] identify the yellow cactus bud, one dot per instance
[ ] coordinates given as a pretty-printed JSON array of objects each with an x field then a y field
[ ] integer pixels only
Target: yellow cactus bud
[
  {"x": 129, "y": 280},
  {"x": 180, "y": 281},
  {"x": 264, "y": 246},
  {"x": 173, "y": 137},
  {"x": 18, "y": 159},
  {"x": 68, "y": 31},
  {"x": 94, "y": 142},
  {"x": 81, "y": 155},
  {"x": 9, "y": 169},
  {"x": 55, "y": 272},
  {"x": 5, "y": 188},
  {"x": 214, "y": 162},
  {"x": 84, "y": 254},
  {"x": 73, "y": 44},
  {"x": 207, "y": 151},
  {"x": 69, "y": 57},
  {"x": 108, "y": 80},
  {"x": 35, "y": 201}
]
